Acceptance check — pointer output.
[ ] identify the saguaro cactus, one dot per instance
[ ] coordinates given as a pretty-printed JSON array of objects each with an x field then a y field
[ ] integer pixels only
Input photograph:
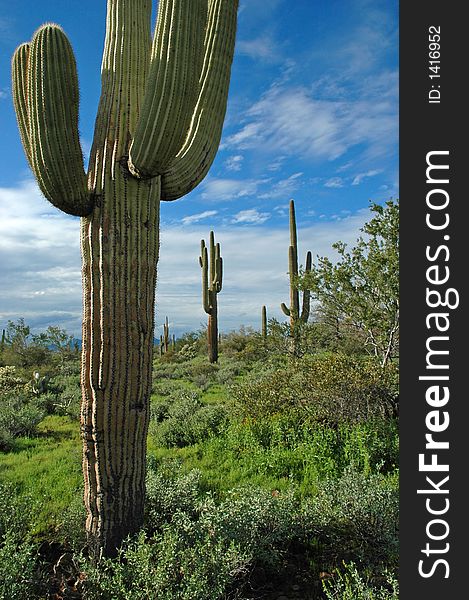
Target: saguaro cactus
[
  {"x": 157, "y": 131},
  {"x": 296, "y": 317},
  {"x": 165, "y": 337},
  {"x": 264, "y": 323},
  {"x": 212, "y": 274}
]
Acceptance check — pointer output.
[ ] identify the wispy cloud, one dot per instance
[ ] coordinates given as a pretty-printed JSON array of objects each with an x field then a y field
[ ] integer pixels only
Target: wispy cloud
[
  {"x": 251, "y": 216},
  {"x": 334, "y": 182},
  {"x": 234, "y": 163},
  {"x": 39, "y": 253},
  {"x": 228, "y": 189},
  {"x": 40, "y": 258},
  {"x": 191, "y": 219},
  {"x": 261, "y": 48},
  {"x": 282, "y": 188},
  {"x": 361, "y": 176},
  {"x": 294, "y": 121}
]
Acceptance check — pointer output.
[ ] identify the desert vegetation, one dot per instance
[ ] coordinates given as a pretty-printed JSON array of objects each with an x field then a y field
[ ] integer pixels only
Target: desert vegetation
[
  {"x": 268, "y": 469},
  {"x": 271, "y": 473}
]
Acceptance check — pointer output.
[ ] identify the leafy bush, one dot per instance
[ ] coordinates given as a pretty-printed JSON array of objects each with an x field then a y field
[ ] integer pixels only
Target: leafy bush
[
  {"x": 185, "y": 420},
  {"x": 10, "y": 379},
  {"x": 348, "y": 584},
  {"x": 19, "y": 416},
  {"x": 18, "y": 555},
  {"x": 17, "y": 568},
  {"x": 67, "y": 395},
  {"x": 356, "y": 518},
  {"x": 330, "y": 388},
  {"x": 168, "y": 495},
  {"x": 183, "y": 562},
  {"x": 194, "y": 547}
]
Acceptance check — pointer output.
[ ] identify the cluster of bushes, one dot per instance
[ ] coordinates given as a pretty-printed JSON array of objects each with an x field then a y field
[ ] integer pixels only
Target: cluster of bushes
[
  {"x": 329, "y": 388},
  {"x": 195, "y": 547},
  {"x": 24, "y": 403},
  {"x": 181, "y": 419}
]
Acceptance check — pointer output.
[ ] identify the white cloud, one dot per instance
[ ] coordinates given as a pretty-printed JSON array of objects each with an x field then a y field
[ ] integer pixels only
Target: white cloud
[
  {"x": 251, "y": 215},
  {"x": 228, "y": 189},
  {"x": 234, "y": 163},
  {"x": 40, "y": 258},
  {"x": 191, "y": 219},
  {"x": 282, "y": 188},
  {"x": 262, "y": 48},
  {"x": 334, "y": 182},
  {"x": 298, "y": 121},
  {"x": 361, "y": 176},
  {"x": 41, "y": 265}
]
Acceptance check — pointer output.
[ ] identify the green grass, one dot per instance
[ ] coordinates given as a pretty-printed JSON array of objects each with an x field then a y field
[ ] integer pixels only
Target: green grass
[
  {"x": 271, "y": 453},
  {"x": 47, "y": 467}
]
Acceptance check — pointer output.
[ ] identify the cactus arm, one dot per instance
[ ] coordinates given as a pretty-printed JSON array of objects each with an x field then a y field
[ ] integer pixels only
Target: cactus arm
[
  {"x": 205, "y": 289},
  {"x": 219, "y": 276},
  {"x": 212, "y": 255},
  {"x": 54, "y": 146},
  {"x": 285, "y": 309},
  {"x": 293, "y": 235},
  {"x": 201, "y": 144},
  {"x": 172, "y": 88},
  {"x": 124, "y": 72},
  {"x": 19, "y": 75},
  {"x": 306, "y": 293},
  {"x": 202, "y": 247}
]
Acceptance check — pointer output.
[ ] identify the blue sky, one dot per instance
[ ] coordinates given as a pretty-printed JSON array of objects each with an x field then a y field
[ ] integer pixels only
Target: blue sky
[{"x": 312, "y": 115}]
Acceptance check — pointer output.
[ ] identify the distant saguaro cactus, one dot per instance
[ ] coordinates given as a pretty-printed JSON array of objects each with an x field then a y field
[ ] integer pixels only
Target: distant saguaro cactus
[
  {"x": 166, "y": 335},
  {"x": 264, "y": 323},
  {"x": 211, "y": 263},
  {"x": 157, "y": 131},
  {"x": 296, "y": 317}
]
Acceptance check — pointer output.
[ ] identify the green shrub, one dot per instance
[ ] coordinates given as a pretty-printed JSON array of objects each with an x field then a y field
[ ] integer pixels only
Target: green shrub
[
  {"x": 329, "y": 388},
  {"x": 18, "y": 578},
  {"x": 19, "y": 416},
  {"x": 10, "y": 379},
  {"x": 183, "y": 562},
  {"x": 169, "y": 495},
  {"x": 349, "y": 584},
  {"x": 195, "y": 548},
  {"x": 184, "y": 420},
  {"x": 355, "y": 518}
]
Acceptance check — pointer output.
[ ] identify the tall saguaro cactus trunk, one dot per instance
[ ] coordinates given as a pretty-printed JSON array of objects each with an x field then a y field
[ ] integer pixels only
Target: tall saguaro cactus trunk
[
  {"x": 157, "y": 131},
  {"x": 297, "y": 317},
  {"x": 211, "y": 263}
]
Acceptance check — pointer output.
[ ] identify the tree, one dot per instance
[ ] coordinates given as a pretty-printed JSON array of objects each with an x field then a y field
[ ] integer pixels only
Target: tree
[{"x": 361, "y": 290}]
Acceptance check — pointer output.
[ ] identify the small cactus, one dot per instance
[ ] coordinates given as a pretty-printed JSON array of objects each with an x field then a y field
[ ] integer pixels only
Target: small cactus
[
  {"x": 296, "y": 317},
  {"x": 166, "y": 335},
  {"x": 211, "y": 264},
  {"x": 264, "y": 323}
]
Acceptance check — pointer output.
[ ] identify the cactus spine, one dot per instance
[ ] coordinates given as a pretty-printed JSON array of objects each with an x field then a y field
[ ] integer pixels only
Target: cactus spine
[
  {"x": 296, "y": 317},
  {"x": 211, "y": 264},
  {"x": 157, "y": 131}
]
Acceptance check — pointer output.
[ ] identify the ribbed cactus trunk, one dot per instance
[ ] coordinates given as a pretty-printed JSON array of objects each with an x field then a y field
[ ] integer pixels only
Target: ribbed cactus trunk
[
  {"x": 297, "y": 318},
  {"x": 211, "y": 264},
  {"x": 157, "y": 131},
  {"x": 212, "y": 330},
  {"x": 119, "y": 243},
  {"x": 264, "y": 323}
]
